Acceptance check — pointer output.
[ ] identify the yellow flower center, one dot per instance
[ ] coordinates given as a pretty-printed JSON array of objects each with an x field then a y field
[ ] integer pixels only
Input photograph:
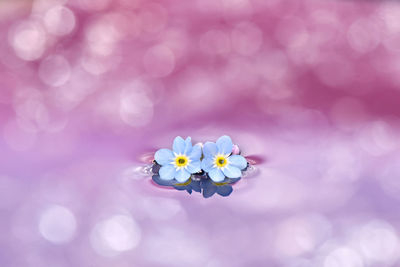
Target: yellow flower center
[
  {"x": 181, "y": 161},
  {"x": 220, "y": 161},
  {"x": 185, "y": 183}
]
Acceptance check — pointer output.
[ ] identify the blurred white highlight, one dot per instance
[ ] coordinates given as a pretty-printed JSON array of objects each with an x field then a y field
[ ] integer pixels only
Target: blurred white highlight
[
  {"x": 379, "y": 243},
  {"x": 57, "y": 224},
  {"x": 28, "y": 39},
  {"x": 59, "y": 20},
  {"x": 114, "y": 235},
  {"x": 343, "y": 257}
]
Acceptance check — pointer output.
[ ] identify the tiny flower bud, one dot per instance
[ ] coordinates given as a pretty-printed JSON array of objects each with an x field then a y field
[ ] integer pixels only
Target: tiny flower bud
[{"x": 235, "y": 150}]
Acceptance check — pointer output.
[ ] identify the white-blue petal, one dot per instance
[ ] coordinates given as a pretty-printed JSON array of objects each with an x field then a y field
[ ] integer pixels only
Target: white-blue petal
[
  {"x": 194, "y": 166},
  {"x": 164, "y": 156},
  {"x": 216, "y": 175},
  {"x": 167, "y": 172},
  {"x": 182, "y": 175},
  {"x": 196, "y": 153},
  {"x": 224, "y": 145},
  {"x": 188, "y": 146},
  {"x": 209, "y": 149},
  {"x": 232, "y": 171},
  {"x": 238, "y": 161},
  {"x": 179, "y": 145},
  {"x": 207, "y": 164}
]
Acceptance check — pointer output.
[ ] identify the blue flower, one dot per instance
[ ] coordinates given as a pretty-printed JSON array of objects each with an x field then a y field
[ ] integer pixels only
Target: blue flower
[
  {"x": 190, "y": 185},
  {"x": 223, "y": 189},
  {"x": 181, "y": 162},
  {"x": 218, "y": 161},
  {"x": 156, "y": 179}
]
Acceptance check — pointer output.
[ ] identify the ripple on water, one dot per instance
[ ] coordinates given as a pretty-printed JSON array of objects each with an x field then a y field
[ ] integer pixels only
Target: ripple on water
[
  {"x": 250, "y": 172},
  {"x": 147, "y": 157},
  {"x": 255, "y": 159},
  {"x": 138, "y": 172},
  {"x": 150, "y": 169}
]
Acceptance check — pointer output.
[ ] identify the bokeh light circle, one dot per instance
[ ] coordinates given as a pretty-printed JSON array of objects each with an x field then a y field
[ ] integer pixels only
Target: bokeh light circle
[
  {"x": 115, "y": 234},
  {"x": 28, "y": 39},
  {"x": 57, "y": 224},
  {"x": 59, "y": 20}
]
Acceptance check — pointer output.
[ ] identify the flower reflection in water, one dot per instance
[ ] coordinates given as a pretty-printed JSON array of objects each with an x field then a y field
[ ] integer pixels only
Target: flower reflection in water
[{"x": 199, "y": 182}]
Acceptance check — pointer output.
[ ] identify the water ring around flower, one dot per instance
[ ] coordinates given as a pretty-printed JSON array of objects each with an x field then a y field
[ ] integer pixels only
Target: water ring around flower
[
  {"x": 199, "y": 182},
  {"x": 147, "y": 170},
  {"x": 212, "y": 168}
]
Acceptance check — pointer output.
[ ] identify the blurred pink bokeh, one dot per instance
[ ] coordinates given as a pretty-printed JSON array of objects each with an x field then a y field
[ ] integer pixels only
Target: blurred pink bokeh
[{"x": 89, "y": 87}]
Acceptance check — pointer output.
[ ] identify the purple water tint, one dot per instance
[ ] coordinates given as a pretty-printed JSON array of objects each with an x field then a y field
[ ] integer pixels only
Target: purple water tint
[{"x": 90, "y": 89}]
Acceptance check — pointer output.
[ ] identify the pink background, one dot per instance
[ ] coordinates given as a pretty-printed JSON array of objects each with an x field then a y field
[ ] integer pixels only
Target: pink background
[{"x": 89, "y": 87}]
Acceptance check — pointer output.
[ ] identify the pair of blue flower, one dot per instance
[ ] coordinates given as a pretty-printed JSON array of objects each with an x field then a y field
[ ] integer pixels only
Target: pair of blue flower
[{"x": 215, "y": 159}]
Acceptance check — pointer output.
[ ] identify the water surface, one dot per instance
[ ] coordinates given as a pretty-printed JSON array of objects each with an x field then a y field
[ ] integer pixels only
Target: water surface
[{"x": 308, "y": 89}]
